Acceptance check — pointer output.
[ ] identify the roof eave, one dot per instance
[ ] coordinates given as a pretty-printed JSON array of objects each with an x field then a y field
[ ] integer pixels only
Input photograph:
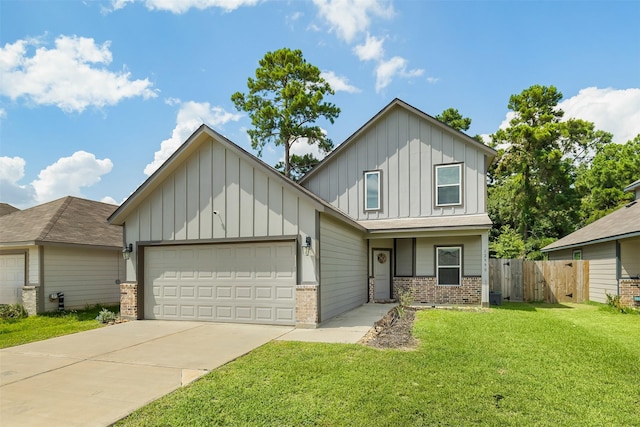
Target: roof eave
[{"x": 591, "y": 242}]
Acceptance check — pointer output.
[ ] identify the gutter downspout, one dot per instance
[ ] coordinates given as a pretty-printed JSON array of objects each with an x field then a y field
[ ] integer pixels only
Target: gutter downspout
[{"x": 618, "y": 267}]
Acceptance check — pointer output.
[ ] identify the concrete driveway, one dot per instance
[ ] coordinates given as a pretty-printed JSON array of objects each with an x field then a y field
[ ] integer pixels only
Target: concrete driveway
[{"x": 94, "y": 378}]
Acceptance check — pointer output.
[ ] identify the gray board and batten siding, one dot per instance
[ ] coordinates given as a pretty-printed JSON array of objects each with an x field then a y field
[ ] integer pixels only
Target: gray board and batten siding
[
  {"x": 404, "y": 146},
  {"x": 343, "y": 269}
]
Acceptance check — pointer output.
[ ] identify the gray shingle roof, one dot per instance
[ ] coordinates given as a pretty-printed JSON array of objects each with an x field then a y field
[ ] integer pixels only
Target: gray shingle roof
[
  {"x": 625, "y": 222},
  {"x": 69, "y": 220},
  {"x": 6, "y": 209}
]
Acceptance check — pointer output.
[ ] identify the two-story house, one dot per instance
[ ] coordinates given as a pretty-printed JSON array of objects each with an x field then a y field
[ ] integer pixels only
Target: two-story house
[{"x": 215, "y": 234}]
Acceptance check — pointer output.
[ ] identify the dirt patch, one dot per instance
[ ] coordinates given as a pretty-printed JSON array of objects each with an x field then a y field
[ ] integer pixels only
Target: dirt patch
[{"x": 393, "y": 331}]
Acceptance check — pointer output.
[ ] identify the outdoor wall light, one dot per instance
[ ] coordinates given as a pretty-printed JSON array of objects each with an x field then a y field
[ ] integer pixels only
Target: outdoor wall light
[
  {"x": 126, "y": 251},
  {"x": 307, "y": 245}
]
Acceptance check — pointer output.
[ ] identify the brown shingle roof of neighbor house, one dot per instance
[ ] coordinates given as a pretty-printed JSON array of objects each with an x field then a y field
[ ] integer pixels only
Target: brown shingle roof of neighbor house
[
  {"x": 69, "y": 220},
  {"x": 6, "y": 209},
  {"x": 625, "y": 222}
]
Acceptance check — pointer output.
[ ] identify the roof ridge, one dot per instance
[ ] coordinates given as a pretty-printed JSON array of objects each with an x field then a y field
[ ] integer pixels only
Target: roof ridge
[{"x": 54, "y": 218}]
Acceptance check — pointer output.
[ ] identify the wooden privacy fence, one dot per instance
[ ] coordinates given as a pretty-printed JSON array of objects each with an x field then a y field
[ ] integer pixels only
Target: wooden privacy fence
[{"x": 548, "y": 281}]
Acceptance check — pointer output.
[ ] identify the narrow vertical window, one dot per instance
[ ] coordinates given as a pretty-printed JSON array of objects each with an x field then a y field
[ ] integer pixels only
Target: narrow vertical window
[
  {"x": 372, "y": 191},
  {"x": 449, "y": 265},
  {"x": 449, "y": 185},
  {"x": 577, "y": 254}
]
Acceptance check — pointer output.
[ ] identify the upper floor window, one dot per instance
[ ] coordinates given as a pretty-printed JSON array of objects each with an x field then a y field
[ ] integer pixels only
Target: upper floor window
[
  {"x": 372, "y": 191},
  {"x": 449, "y": 185}
]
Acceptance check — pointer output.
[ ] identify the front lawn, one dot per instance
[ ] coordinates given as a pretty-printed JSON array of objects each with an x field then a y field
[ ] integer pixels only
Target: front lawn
[
  {"x": 48, "y": 325},
  {"x": 519, "y": 364}
]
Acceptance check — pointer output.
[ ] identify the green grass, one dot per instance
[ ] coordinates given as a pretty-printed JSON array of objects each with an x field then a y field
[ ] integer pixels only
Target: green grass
[
  {"x": 48, "y": 325},
  {"x": 553, "y": 365}
]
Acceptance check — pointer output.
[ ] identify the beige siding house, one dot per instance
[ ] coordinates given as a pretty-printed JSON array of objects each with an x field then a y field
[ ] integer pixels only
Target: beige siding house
[
  {"x": 218, "y": 235},
  {"x": 65, "y": 246},
  {"x": 612, "y": 247}
]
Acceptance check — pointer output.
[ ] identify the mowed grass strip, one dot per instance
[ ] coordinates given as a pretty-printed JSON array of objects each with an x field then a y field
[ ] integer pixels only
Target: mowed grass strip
[
  {"x": 521, "y": 364},
  {"x": 48, "y": 325}
]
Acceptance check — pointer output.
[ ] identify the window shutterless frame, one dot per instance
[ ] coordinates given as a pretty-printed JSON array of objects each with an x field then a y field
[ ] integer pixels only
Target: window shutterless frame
[
  {"x": 449, "y": 265},
  {"x": 372, "y": 196},
  {"x": 448, "y": 185}
]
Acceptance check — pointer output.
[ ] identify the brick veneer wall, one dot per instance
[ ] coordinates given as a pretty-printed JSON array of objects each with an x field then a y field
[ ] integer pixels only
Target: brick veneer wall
[
  {"x": 629, "y": 288},
  {"x": 129, "y": 300},
  {"x": 307, "y": 305},
  {"x": 425, "y": 290}
]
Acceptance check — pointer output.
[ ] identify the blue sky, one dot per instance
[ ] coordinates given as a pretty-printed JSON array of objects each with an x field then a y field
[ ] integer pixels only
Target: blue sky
[{"x": 94, "y": 95}]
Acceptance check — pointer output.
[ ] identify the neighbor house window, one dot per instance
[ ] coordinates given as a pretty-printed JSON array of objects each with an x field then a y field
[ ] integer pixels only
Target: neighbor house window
[
  {"x": 449, "y": 185},
  {"x": 577, "y": 254},
  {"x": 449, "y": 265},
  {"x": 372, "y": 191}
]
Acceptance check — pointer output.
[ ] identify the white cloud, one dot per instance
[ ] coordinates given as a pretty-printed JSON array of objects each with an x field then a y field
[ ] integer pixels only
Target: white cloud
[
  {"x": 109, "y": 200},
  {"x": 396, "y": 66},
  {"x": 69, "y": 76},
  {"x": 370, "y": 50},
  {"x": 348, "y": 18},
  {"x": 433, "y": 80},
  {"x": 11, "y": 172},
  {"x": 3, "y": 113},
  {"x": 68, "y": 175},
  {"x": 182, "y": 6},
  {"x": 65, "y": 177},
  {"x": 338, "y": 83},
  {"x": 190, "y": 116},
  {"x": 613, "y": 110},
  {"x": 302, "y": 147}
]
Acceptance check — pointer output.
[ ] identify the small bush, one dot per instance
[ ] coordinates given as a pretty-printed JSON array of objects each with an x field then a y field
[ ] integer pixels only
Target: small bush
[
  {"x": 614, "y": 304},
  {"x": 12, "y": 311},
  {"x": 405, "y": 299},
  {"x": 106, "y": 316}
]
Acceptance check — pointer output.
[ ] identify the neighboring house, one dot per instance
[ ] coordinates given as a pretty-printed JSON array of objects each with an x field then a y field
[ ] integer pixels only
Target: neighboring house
[
  {"x": 219, "y": 235},
  {"x": 6, "y": 209},
  {"x": 612, "y": 247},
  {"x": 62, "y": 246}
]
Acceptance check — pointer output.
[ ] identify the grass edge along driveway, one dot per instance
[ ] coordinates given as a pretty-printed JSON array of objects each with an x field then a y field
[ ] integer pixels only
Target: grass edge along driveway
[{"x": 519, "y": 364}]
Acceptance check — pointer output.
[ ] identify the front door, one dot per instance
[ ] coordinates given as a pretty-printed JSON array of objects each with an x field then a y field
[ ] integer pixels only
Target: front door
[{"x": 382, "y": 274}]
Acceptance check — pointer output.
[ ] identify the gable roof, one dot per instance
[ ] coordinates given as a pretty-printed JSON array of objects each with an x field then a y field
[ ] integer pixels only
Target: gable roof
[
  {"x": 634, "y": 186},
  {"x": 620, "y": 224},
  {"x": 69, "y": 220},
  {"x": 398, "y": 103},
  {"x": 202, "y": 134},
  {"x": 6, "y": 209}
]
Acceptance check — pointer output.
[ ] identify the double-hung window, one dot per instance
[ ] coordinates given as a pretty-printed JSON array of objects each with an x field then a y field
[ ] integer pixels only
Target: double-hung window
[
  {"x": 449, "y": 265},
  {"x": 372, "y": 191},
  {"x": 449, "y": 185}
]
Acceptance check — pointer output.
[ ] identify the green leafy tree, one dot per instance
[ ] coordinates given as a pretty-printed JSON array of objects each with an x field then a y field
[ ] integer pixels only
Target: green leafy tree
[
  {"x": 601, "y": 183},
  {"x": 453, "y": 118},
  {"x": 508, "y": 244},
  {"x": 300, "y": 165},
  {"x": 284, "y": 101},
  {"x": 535, "y": 170}
]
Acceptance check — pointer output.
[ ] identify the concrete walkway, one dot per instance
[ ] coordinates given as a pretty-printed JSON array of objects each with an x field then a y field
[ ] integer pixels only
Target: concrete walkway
[{"x": 94, "y": 378}]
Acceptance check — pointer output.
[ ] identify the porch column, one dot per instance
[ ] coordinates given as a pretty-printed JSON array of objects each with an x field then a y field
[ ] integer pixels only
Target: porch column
[{"x": 485, "y": 268}]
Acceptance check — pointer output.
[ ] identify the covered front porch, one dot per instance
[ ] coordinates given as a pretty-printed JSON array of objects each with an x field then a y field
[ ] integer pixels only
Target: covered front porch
[{"x": 435, "y": 265}]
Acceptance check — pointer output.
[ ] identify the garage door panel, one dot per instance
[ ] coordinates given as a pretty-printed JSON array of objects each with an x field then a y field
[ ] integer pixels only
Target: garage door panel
[
  {"x": 249, "y": 283},
  {"x": 12, "y": 278}
]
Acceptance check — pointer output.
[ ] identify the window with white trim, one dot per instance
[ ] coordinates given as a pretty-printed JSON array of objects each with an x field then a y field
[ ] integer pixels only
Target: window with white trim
[
  {"x": 449, "y": 185},
  {"x": 449, "y": 265},
  {"x": 372, "y": 191},
  {"x": 577, "y": 254}
]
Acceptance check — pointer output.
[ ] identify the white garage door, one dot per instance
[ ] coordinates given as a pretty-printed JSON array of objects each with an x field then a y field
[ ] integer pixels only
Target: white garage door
[
  {"x": 240, "y": 282},
  {"x": 11, "y": 278}
]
